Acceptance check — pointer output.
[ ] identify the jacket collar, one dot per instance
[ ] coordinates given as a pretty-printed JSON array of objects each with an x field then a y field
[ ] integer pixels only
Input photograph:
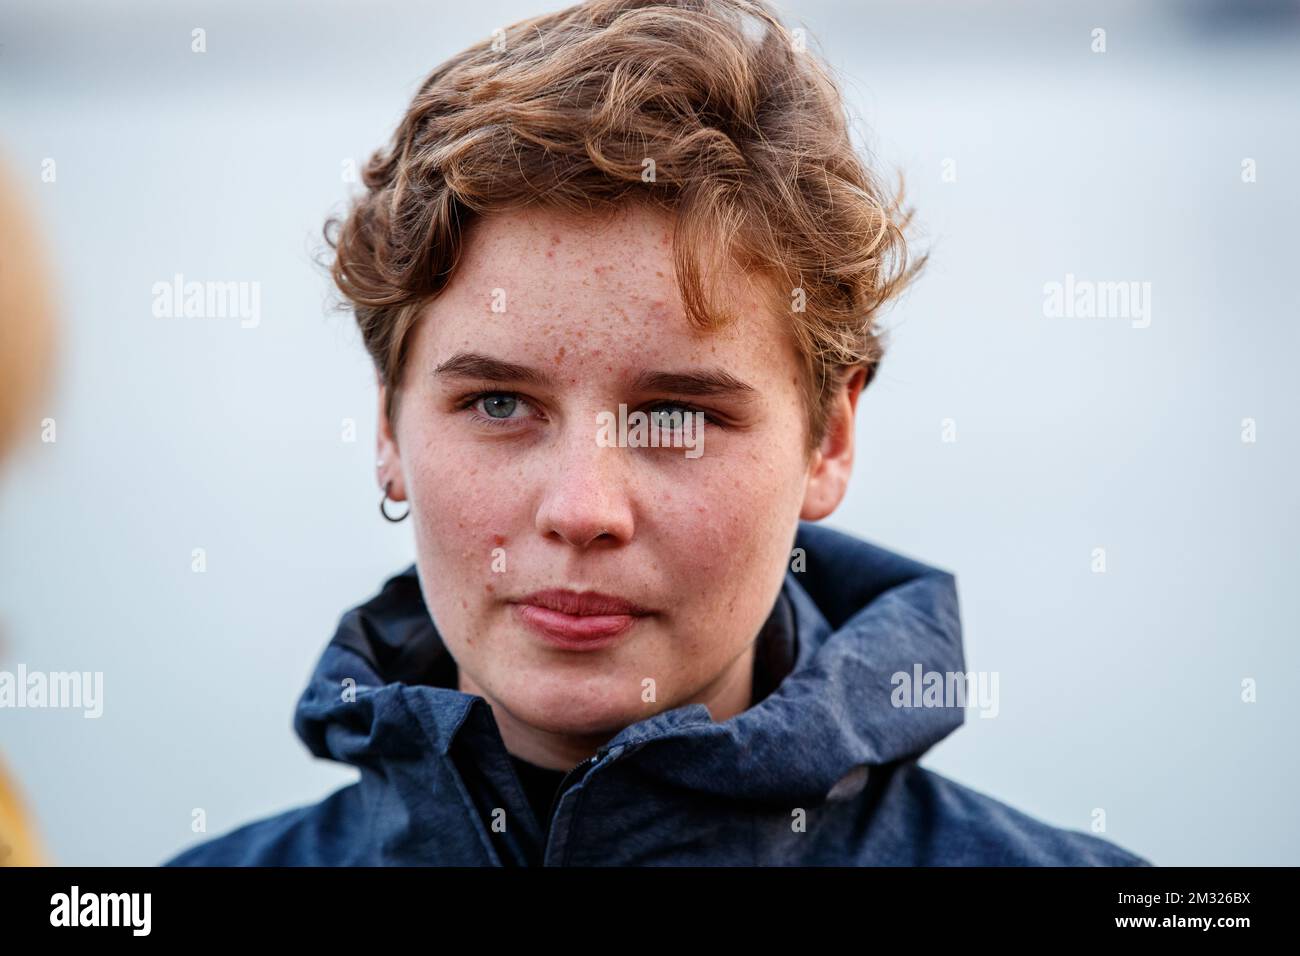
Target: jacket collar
[{"x": 385, "y": 687}]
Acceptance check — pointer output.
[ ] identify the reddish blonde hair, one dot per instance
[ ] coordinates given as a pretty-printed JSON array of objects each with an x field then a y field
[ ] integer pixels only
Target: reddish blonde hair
[{"x": 751, "y": 153}]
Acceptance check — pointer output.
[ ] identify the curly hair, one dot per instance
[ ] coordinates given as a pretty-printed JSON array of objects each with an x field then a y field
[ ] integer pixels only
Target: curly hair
[{"x": 710, "y": 109}]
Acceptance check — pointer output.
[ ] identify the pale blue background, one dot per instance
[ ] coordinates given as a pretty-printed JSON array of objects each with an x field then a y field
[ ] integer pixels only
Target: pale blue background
[{"x": 1119, "y": 691}]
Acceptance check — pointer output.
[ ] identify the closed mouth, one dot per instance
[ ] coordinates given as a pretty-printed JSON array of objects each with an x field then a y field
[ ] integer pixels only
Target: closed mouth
[
  {"x": 578, "y": 620},
  {"x": 583, "y": 603}
]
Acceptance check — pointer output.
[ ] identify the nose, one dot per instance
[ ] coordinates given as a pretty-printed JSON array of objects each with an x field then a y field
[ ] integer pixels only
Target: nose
[{"x": 587, "y": 499}]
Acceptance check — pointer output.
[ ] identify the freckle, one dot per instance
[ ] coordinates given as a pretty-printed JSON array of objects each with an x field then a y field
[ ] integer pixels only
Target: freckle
[
  {"x": 490, "y": 588},
  {"x": 559, "y": 356}
]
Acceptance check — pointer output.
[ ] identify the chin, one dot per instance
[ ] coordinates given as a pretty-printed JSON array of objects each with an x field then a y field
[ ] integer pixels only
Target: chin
[{"x": 581, "y": 707}]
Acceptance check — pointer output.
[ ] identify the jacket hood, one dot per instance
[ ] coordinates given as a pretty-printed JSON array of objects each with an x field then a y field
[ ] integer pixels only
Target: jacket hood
[{"x": 384, "y": 692}]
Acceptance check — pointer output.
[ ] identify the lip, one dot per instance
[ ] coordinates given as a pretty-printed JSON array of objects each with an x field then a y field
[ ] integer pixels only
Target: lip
[{"x": 578, "y": 620}]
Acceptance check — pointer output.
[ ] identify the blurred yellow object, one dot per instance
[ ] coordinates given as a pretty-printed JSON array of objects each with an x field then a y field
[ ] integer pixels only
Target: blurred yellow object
[
  {"x": 26, "y": 348},
  {"x": 19, "y": 845}
]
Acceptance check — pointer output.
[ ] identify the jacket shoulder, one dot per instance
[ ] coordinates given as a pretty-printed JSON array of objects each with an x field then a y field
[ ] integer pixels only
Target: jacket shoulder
[
  {"x": 316, "y": 834},
  {"x": 963, "y": 827}
]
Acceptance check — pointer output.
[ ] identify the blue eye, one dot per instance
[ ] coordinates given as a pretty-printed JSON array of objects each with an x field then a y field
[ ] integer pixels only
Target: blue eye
[
  {"x": 512, "y": 409},
  {"x": 671, "y": 420},
  {"x": 499, "y": 405},
  {"x": 497, "y": 408}
]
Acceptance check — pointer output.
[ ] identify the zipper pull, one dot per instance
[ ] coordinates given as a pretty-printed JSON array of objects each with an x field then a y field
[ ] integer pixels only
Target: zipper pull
[{"x": 580, "y": 769}]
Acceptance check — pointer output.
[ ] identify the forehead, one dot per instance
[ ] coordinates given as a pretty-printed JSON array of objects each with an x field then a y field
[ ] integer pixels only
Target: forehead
[{"x": 546, "y": 285}]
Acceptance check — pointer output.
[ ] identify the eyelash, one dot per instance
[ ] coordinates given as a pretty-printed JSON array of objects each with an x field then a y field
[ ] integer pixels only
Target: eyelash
[{"x": 468, "y": 403}]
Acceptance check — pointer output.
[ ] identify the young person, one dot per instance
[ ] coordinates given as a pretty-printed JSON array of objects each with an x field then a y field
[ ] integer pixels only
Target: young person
[{"x": 620, "y": 271}]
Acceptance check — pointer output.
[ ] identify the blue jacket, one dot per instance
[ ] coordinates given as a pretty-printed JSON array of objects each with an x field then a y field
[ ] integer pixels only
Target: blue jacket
[{"x": 821, "y": 771}]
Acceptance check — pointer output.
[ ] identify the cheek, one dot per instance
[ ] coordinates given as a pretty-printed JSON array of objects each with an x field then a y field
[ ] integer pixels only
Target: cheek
[
  {"x": 731, "y": 527},
  {"x": 463, "y": 510}
]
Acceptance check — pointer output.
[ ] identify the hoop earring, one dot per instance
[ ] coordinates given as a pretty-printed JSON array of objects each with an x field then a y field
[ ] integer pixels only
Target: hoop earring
[{"x": 384, "y": 511}]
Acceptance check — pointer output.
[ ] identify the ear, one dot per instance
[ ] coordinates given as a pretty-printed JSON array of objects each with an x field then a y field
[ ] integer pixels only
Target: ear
[
  {"x": 389, "y": 462},
  {"x": 832, "y": 462}
]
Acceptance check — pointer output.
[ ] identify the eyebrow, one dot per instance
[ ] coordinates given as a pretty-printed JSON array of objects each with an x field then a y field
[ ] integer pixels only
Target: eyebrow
[
  {"x": 475, "y": 365},
  {"x": 707, "y": 381}
]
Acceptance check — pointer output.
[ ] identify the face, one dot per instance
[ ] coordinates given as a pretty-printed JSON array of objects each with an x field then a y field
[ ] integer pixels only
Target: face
[{"x": 497, "y": 444}]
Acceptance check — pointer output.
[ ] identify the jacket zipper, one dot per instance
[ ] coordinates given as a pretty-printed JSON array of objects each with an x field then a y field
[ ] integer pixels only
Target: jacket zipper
[
  {"x": 571, "y": 777},
  {"x": 580, "y": 769}
]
